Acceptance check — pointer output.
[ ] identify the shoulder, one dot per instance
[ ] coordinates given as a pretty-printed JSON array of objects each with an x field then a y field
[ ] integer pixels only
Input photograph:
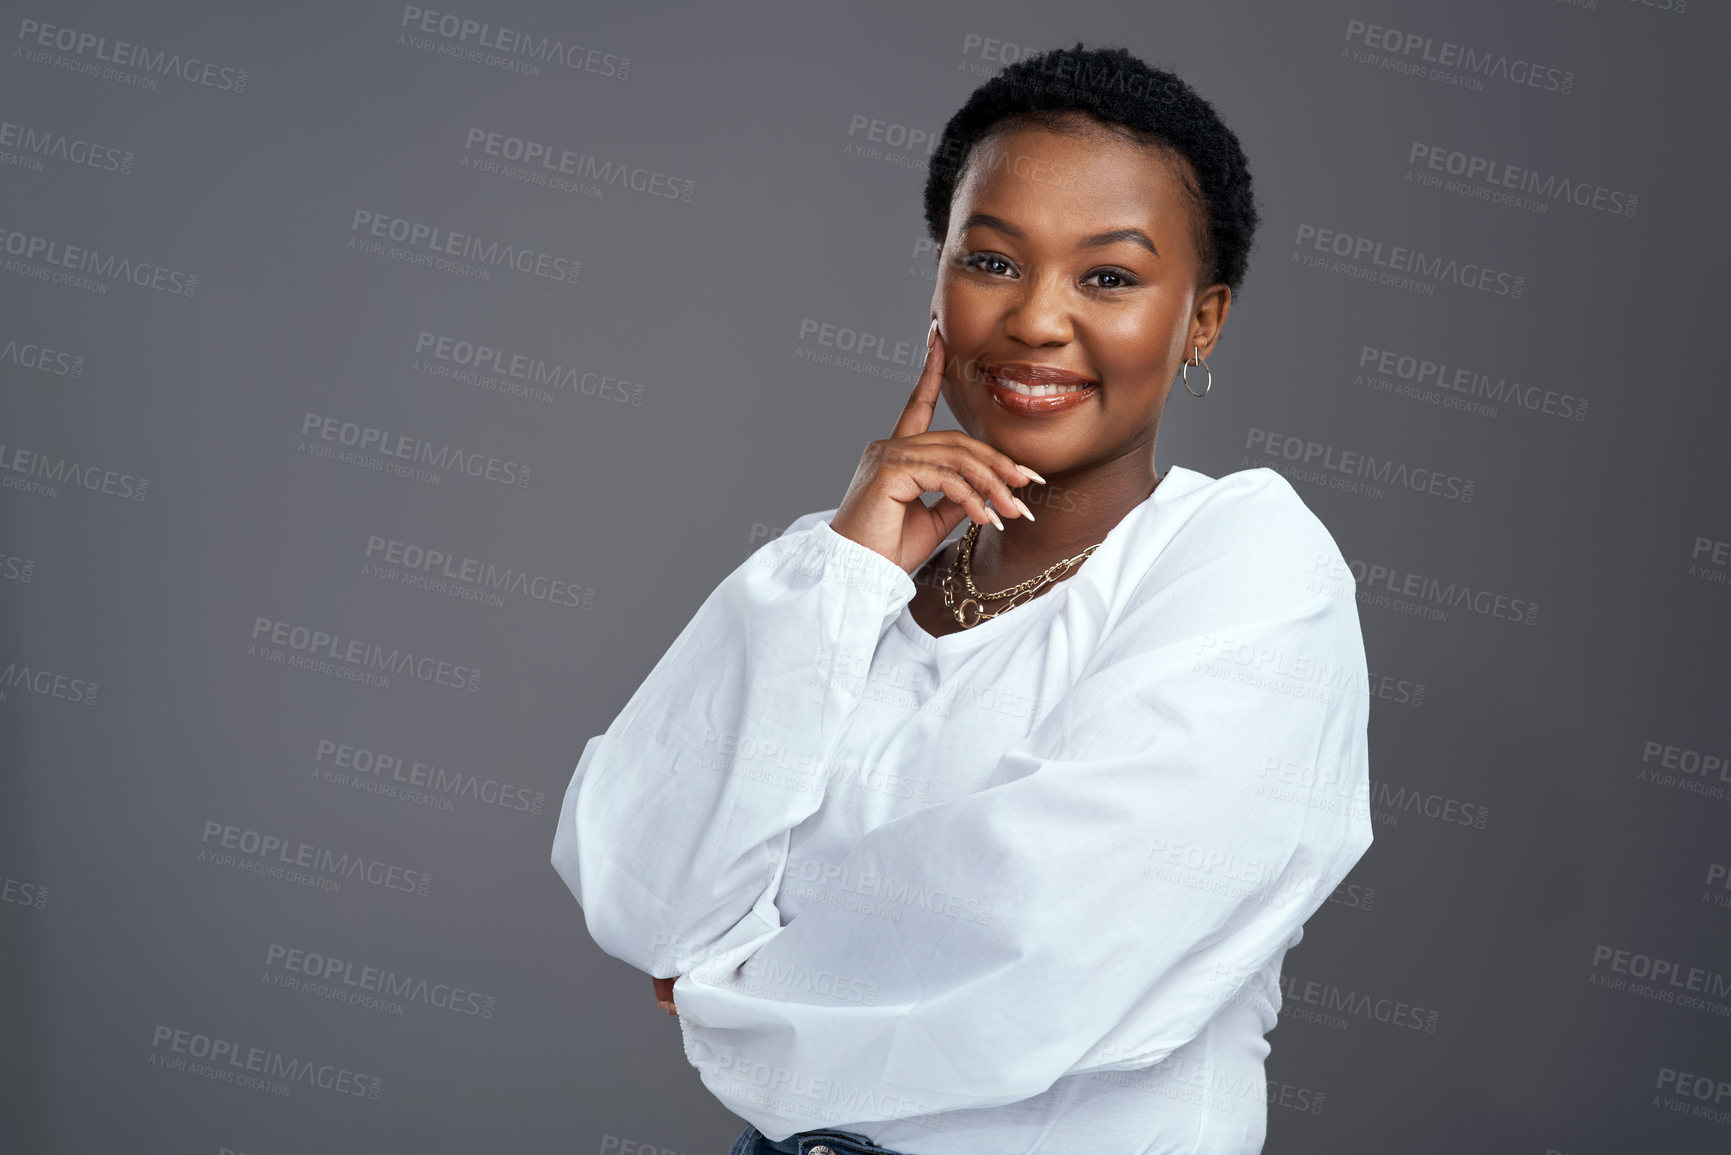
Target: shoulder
[
  {"x": 1239, "y": 548},
  {"x": 1253, "y": 510},
  {"x": 1250, "y": 519}
]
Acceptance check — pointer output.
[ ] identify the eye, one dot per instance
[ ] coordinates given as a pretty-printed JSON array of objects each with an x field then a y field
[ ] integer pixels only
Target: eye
[
  {"x": 979, "y": 260},
  {"x": 1119, "y": 278}
]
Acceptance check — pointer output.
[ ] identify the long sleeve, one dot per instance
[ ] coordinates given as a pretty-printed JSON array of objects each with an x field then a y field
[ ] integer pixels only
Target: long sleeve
[
  {"x": 1162, "y": 833},
  {"x": 674, "y": 828}
]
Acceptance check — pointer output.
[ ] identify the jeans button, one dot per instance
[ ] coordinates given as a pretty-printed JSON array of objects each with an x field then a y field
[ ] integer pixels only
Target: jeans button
[{"x": 820, "y": 1149}]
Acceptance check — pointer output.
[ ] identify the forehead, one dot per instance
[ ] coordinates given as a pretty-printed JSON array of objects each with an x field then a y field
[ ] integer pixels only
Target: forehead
[{"x": 1075, "y": 182}]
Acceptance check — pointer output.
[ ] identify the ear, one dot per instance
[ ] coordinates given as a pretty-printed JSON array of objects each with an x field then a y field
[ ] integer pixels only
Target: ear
[{"x": 1212, "y": 305}]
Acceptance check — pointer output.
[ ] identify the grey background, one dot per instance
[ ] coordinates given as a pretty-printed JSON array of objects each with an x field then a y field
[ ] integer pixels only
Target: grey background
[{"x": 113, "y": 926}]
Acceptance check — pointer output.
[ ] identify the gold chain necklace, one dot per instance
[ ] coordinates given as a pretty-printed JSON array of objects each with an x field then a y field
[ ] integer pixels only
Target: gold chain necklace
[{"x": 974, "y": 602}]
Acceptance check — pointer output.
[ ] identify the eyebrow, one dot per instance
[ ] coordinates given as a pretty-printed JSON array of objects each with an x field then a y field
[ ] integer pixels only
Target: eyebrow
[{"x": 1098, "y": 240}]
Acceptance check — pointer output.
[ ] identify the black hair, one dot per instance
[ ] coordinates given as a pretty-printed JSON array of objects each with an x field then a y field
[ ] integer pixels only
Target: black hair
[{"x": 1123, "y": 94}]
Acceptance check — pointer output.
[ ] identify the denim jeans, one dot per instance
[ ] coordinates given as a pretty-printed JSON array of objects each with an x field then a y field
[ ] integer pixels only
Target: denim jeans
[{"x": 753, "y": 1142}]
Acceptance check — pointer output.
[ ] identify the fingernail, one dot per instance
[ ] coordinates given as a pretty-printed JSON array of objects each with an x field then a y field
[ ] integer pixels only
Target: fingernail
[
  {"x": 995, "y": 520},
  {"x": 1031, "y": 474},
  {"x": 1023, "y": 506},
  {"x": 932, "y": 333}
]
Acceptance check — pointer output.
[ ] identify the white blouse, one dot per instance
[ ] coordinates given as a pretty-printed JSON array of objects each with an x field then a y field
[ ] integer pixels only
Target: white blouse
[{"x": 1024, "y": 887}]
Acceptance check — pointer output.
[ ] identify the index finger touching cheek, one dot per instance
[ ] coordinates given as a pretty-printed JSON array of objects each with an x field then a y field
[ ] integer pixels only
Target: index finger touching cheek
[{"x": 916, "y": 416}]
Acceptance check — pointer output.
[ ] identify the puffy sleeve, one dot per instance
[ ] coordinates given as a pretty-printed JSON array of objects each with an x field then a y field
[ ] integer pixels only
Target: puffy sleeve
[
  {"x": 674, "y": 828},
  {"x": 1161, "y": 834}
]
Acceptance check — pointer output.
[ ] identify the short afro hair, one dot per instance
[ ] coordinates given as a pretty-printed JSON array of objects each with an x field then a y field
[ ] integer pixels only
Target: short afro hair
[{"x": 1122, "y": 94}]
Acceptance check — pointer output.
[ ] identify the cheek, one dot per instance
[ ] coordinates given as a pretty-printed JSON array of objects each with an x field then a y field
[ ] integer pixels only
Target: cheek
[
  {"x": 967, "y": 328},
  {"x": 958, "y": 312},
  {"x": 1136, "y": 346}
]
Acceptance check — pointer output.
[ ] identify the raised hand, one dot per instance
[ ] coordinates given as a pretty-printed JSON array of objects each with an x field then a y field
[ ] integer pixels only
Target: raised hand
[{"x": 882, "y": 509}]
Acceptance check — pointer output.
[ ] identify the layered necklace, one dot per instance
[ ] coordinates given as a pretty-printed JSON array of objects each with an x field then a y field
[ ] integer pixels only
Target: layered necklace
[{"x": 970, "y": 610}]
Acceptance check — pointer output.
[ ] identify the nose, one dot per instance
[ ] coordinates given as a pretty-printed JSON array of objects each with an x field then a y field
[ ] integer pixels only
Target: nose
[{"x": 1040, "y": 314}]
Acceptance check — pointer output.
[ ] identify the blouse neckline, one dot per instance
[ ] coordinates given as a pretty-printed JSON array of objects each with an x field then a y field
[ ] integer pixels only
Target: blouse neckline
[{"x": 1024, "y": 614}]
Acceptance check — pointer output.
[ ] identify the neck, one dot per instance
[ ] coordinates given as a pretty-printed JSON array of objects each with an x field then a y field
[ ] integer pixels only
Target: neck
[{"x": 1073, "y": 511}]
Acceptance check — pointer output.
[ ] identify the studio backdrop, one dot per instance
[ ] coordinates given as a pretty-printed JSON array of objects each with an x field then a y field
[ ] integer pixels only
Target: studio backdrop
[{"x": 382, "y": 388}]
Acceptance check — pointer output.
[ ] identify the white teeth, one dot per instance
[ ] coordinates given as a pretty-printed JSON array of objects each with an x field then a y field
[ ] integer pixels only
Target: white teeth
[{"x": 1036, "y": 390}]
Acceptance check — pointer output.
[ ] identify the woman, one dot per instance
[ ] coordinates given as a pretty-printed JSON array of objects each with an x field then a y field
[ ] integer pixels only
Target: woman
[{"x": 996, "y": 846}]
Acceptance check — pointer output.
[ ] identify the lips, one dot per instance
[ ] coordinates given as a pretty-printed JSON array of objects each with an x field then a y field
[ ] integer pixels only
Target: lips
[{"x": 1037, "y": 390}]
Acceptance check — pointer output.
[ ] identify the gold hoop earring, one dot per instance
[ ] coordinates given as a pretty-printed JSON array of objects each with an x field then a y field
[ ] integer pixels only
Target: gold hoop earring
[{"x": 1185, "y": 373}]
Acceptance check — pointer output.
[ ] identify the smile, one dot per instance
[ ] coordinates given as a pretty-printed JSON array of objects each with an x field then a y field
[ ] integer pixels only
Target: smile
[{"x": 1038, "y": 400}]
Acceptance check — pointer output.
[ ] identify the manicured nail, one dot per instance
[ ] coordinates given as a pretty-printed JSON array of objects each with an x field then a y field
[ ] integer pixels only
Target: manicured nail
[
  {"x": 1032, "y": 476},
  {"x": 665, "y": 1005},
  {"x": 932, "y": 333},
  {"x": 1023, "y": 506},
  {"x": 993, "y": 514}
]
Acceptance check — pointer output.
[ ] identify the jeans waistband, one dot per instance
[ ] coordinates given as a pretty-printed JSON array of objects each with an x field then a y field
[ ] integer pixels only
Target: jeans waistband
[{"x": 812, "y": 1142}]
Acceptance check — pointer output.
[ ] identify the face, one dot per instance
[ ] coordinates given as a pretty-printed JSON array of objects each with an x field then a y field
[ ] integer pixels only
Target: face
[{"x": 1027, "y": 284}]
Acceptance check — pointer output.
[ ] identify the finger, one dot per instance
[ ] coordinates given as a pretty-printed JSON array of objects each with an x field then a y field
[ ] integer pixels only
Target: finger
[
  {"x": 946, "y": 513},
  {"x": 938, "y": 476},
  {"x": 1015, "y": 476},
  {"x": 974, "y": 460},
  {"x": 982, "y": 473},
  {"x": 916, "y": 416}
]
